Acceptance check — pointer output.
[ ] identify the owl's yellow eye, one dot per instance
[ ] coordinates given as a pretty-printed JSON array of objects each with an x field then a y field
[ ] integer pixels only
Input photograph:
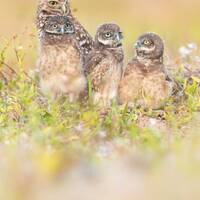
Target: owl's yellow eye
[
  {"x": 55, "y": 26},
  {"x": 108, "y": 35},
  {"x": 53, "y": 3},
  {"x": 68, "y": 25},
  {"x": 146, "y": 42}
]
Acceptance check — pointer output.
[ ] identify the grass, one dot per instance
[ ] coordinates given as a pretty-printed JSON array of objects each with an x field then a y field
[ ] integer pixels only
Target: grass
[{"x": 46, "y": 144}]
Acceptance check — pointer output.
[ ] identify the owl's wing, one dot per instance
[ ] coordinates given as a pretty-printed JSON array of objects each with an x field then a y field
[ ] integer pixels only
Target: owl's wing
[
  {"x": 131, "y": 83},
  {"x": 92, "y": 60},
  {"x": 84, "y": 38},
  {"x": 86, "y": 41},
  {"x": 177, "y": 88},
  {"x": 97, "y": 67},
  {"x": 165, "y": 70}
]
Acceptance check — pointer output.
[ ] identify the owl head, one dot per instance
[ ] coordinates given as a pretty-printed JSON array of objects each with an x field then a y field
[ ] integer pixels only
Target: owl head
[
  {"x": 58, "y": 25},
  {"x": 109, "y": 35},
  {"x": 149, "y": 46},
  {"x": 54, "y": 7}
]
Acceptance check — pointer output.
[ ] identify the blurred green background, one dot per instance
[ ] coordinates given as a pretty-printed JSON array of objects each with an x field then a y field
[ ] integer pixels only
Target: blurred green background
[{"x": 177, "y": 21}]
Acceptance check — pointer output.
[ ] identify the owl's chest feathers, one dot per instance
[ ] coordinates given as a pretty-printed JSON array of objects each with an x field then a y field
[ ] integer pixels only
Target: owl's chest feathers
[
  {"x": 113, "y": 76},
  {"x": 115, "y": 61},
  {"x": 61, "y": 71},
  {"x": 60, "y": 57},
  {"x": 116, "y": 54},
  {"x": 148, "y": 74},
  {"x": 115, "y": 70},
  {"x": 141, "y": 77},
  {"x": 150, "y": 69}
]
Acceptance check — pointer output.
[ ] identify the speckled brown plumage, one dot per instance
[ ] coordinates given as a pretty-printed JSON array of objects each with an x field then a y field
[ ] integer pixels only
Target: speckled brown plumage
[
  {"x": 145, "y": 81},
  {"x": 60, "y": 62},
  {"x": 62, "y": 8},
  {"x": 104, "y": 64}
]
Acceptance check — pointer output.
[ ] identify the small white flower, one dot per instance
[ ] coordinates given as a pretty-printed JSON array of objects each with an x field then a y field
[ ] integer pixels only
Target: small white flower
[
  {"x": 79, "y": 128},
  {"x": 152, "y": 122},
  {"x": 102, "y": 134},
  {"x": 192, "y": 46},
  {"x": 184, "y": 52}
]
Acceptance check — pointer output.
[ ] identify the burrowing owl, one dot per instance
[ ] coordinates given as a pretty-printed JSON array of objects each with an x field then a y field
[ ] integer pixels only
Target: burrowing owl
[
  {"x": 60, "y": 62},
  {"x": 104, "y": 64},
  {"x": 145, "y": 82},
  {"x": 62, "y": 8}
]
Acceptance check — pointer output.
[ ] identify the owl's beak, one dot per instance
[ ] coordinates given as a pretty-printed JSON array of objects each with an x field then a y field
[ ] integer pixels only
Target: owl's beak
[
  {"x": 136, "y": 45},
  {"x": 63, "y": 30},
  {"x": 119, "y": 37}
]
